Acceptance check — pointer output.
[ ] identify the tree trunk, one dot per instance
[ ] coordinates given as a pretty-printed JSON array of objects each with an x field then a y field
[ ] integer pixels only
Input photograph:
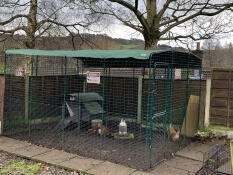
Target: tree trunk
[
  {"x": 30, "y": 41},
  {"x": 151, "y": 34},
  {"x": 151, "y": 42},
  {"x": 32, "y": 25},
  {"x": 151, "y": 9}
]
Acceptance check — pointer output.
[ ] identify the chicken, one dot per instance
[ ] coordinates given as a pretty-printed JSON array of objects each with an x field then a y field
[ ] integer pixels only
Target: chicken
[
  {"x": 105, "y": 131},
  {"x": 91, "y": 131},
  {"x": 174, "y": 135}
]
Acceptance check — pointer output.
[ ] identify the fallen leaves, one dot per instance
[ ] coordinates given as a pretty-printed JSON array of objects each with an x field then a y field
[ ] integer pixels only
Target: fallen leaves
[
  {"x": 46, "y": 168},
  {"x": 1, "y": 166}
]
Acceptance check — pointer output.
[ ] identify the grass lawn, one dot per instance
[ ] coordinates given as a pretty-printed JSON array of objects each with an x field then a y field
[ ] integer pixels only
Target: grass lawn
[
  {"x": 218, "y": 127},
  {"x": 126, "y": 46}
]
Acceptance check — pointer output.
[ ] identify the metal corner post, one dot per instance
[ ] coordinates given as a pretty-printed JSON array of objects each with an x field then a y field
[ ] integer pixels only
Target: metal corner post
[
  {"x": 103, "y": 103},
  {"x": 148, "y": 111},
  {"x": 186, "y": 93},
  {"x": 64, "y": 100},
  {"x": 30, "y": 96}
]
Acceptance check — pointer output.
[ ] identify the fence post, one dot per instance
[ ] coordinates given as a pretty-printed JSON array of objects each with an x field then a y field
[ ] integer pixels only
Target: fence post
[
  {"x": 27, "y": 74},
  {"x": 139, "y": 99},
  {"x": 199, "y": 103},
  {"x": 2, "y": 92},
  {"x": 207, "y": 102}
]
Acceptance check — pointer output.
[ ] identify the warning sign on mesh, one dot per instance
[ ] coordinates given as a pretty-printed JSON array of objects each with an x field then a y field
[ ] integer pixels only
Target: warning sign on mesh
[
  {"x": 19, "y": 72},
  {"x": 177, "y": 74},
  {"x": 93, "y": 77}
]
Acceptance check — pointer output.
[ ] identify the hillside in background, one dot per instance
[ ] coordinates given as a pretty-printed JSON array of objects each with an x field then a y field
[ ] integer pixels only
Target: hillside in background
[
  {"x": 86, "y": 41},
  {"x": 221, "y": 57}
]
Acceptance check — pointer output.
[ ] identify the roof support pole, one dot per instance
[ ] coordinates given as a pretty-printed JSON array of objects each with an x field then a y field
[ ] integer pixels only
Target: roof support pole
[{"x": 64, "y": 65}]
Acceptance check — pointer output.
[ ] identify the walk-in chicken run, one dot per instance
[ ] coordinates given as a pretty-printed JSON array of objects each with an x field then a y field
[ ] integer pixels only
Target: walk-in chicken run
[{"x": 131, "y": 107}]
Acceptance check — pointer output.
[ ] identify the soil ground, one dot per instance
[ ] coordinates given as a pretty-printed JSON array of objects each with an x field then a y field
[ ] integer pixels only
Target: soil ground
[{"x": 128, "y": 152}]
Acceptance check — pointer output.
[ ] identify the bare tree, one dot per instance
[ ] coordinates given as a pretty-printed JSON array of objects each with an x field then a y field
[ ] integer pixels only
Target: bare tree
[
  {"x": 169, "y": 19},
  {"x": 217, "y": 55},
  {"x": 36, "y": 18}
]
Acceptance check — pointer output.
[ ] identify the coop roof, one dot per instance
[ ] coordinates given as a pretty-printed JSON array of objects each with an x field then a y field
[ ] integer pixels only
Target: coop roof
[
  {"x": 90, "y": 101},
  {"x": 87, "y": 97},
  {"x": 119, "y": 58}
]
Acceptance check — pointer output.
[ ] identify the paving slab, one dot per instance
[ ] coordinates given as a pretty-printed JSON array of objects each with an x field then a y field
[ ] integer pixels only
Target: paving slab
[
  {"x": 81, "y": 163},
  {"x": 6, "y": 140},
  {"x": 196, "y": 150},
  {"x": 30, "y": 150},
  {"x": 176, "y": 166},
  {"x": 185, "y": 164},
  {"x": 9, "y": 145},
  {"x": 55, "y": 156},
  {"x": 226, "y": 168},
  {"x": 141, "y": 173},
  {"x": 164, "y": 169},
  {"x": 108, "y": 168}
]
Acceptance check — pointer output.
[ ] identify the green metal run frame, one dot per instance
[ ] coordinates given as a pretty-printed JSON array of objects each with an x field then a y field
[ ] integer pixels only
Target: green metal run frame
[
  {"x": 64, "y": 101},
  {"x": 30, "y": 95},
  {"x": 103, "y": 103},
  {"x": 164, "y": 113},
  {"x": 149, "y": 112}
]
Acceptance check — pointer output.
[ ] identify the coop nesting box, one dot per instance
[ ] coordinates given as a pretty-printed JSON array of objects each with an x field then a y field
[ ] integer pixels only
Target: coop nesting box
[{"x": 86, "y": 106}]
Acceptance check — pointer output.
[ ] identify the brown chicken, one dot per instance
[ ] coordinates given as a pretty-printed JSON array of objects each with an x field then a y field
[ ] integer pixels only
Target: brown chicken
[
  {"x": 174, "y": 135},
  {"x": 91, "y": 131},
  {"x": 105, "y": 132}
]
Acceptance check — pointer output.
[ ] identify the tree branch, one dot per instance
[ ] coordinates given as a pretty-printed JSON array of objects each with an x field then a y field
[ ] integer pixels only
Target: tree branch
[
  {"x": 12, "y": 19},
  {"x": 199, "y": 13},
  {"x": 134, "y": 10},
  {"x": 60, "y": 24},
  {"x": 165, "y": 6}
]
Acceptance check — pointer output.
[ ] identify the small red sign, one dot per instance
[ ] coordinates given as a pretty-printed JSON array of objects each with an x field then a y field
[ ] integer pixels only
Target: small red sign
[
  {"x": 93, "y": 77},
  {"x": 19, "y": 72}
]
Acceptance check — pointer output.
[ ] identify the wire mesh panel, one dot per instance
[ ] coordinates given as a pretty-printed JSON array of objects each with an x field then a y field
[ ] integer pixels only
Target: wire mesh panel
[
  {"x": 217, "y": 160},
  {"x": 120, "y": 110}
]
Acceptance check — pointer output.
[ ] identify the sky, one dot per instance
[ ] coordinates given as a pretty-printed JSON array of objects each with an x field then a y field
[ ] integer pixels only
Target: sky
[{"x": 117, "y": 30}]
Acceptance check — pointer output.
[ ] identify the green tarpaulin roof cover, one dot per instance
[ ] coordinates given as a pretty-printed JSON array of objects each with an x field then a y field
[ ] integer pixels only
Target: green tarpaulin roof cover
[
  {"x": 139, "y": 57},
  {"x": 103, "y": 54}
]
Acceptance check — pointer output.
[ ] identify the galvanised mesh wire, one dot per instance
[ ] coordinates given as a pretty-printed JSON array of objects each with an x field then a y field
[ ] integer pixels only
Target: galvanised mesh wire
[
  {"x": 217, "y": 160},
  {"x": 51, "y": 103}
]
